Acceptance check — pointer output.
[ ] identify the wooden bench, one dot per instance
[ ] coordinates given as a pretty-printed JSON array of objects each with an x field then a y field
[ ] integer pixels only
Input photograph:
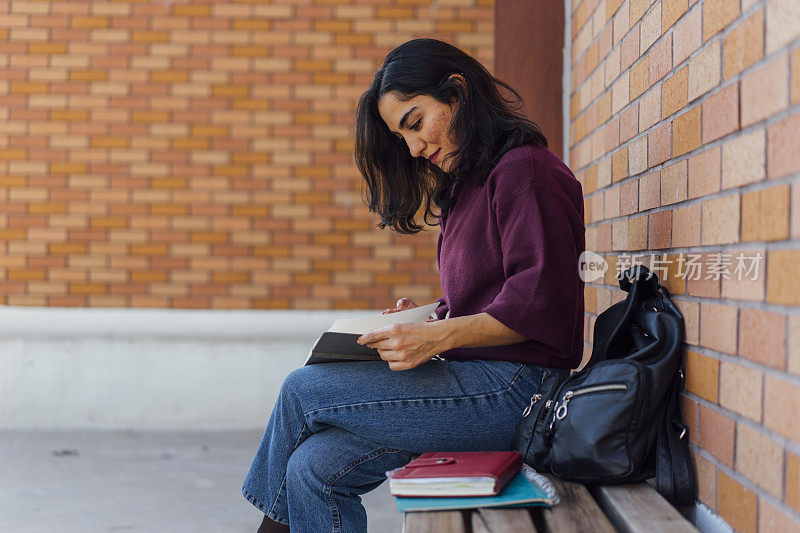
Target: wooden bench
[{"x": 627, "y": 508}]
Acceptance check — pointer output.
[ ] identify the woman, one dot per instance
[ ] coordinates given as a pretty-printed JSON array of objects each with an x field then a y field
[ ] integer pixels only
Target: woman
[{"x": 433, "y": 130}]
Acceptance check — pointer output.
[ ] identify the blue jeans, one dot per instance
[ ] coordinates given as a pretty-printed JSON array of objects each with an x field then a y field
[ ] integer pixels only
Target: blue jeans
[{"x": 338, "y": 427}]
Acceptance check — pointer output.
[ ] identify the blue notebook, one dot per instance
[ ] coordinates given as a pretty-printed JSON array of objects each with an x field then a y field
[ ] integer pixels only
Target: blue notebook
[{"x": 521, "y": 491}]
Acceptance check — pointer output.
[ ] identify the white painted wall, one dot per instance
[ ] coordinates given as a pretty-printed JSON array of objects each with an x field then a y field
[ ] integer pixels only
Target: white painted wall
[{"x": 149, "y": 368}]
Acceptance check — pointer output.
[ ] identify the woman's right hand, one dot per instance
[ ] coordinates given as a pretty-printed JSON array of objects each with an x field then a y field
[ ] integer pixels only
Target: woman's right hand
[{"x": 401, "y": 305}]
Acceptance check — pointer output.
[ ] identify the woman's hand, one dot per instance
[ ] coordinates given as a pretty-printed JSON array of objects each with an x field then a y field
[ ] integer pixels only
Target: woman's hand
[
  {"x": 401, "y": 305},
  {"x": 406, "y": 346}
]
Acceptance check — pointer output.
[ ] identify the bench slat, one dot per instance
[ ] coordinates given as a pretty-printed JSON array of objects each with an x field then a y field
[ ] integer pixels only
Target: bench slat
[
  {"x": 639, "y": 508},
  {"x": 577, "y": 512},
  {"x": 502, "y": 521},
  {"x": 434, "y": 522}
]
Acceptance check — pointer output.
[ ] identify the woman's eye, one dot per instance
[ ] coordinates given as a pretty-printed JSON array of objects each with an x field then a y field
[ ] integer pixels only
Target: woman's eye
[{"x": 416, "y": 126}]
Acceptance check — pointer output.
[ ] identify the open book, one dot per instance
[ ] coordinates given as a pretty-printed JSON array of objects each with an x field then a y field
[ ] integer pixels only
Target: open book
[{"x": 338, "y": 343}]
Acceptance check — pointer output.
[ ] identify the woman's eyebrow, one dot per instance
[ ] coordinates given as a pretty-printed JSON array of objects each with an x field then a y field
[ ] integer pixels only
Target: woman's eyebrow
[{"x": 405, "y": 117}]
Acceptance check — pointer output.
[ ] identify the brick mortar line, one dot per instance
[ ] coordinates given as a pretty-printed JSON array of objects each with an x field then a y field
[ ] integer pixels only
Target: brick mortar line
[
  {"x": 764, "y": 183},
  {"x": 766, "y": 123},
  {"x": 735, "y": 23},
  {"x": 787, "y": 48},
  {"x": 757, "y": 305},
  {"x": 748, "y": 484},
  {"x": 786, "y": 375},
  {"x": 641, "y": 53}
]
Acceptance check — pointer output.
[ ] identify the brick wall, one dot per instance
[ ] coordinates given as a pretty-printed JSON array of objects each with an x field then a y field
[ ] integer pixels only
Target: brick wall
[
  {"x": 685, "y": 131},
  {"x": 199, "y": 154}
]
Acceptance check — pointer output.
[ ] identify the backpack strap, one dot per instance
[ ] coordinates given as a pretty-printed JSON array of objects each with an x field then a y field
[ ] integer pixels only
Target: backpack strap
[{"x": 674, "y": 472}]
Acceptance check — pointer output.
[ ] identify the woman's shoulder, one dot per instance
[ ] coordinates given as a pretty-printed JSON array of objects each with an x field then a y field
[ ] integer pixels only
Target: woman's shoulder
[{"x": 525, "y": 166}]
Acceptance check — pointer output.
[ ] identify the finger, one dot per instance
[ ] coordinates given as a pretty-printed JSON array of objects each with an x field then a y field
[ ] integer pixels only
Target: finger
[{"x": 373, "y": 335}]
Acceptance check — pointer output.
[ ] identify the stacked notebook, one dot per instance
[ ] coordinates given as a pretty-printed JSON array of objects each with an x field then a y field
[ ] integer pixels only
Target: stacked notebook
[{"x": 463, "y": 480}]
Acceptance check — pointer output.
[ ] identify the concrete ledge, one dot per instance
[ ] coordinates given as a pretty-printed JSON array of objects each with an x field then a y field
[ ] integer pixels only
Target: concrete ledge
[{"x": 149, "y": 368}]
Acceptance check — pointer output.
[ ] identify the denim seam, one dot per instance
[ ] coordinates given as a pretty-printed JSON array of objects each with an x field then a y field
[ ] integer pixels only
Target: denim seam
[
  {"x": 440, "y": 398},
  {"x": 283, "y": 481},
  {"x": 328, "y": 488},
  {"x": 261, "y": 507}
]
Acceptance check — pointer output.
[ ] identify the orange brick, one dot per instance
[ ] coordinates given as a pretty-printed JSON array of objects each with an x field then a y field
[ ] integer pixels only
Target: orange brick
[
  {"x": 744, "y": 46},
  {"x": 760, "y": 459},
  {"x": 749, "y": 282},
  {"x": 765, "y": 91},
  {"x": 736, "y": 504},
  {"x": 783, "y": 138},
  {"x": 689, "y": 414},
  {"x": 671, "y": 11},
  {"x": 637, "y": 233},
  {"x": 639, "y": 78},
  {"x": 702, "y": 375},
  {"x": 717, "y": 434},
  {"x": 781, "y": 405},
  {"x": 686, "y": 132},
  {"x": 783, "y": 284},
  {"x": 765, "y": 214},
  {"x": 619, "y": 164},
  {"x": 88, "y": 288},
  {"x": 686, "y": 226},
  {"x": 717, "y": 14},
  {"x": 793, "y": 480},
  {"x": 47, "y": 48}
]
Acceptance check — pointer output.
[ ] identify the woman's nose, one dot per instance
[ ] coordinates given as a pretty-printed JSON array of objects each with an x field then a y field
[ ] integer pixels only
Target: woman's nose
[{"x": 417, "y": 148}]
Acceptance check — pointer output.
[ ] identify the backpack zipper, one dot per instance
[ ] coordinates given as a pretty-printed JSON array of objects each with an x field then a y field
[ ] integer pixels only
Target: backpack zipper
[
  {"x": 561, "y": 409},
  {"x": 535, "y": 398}
]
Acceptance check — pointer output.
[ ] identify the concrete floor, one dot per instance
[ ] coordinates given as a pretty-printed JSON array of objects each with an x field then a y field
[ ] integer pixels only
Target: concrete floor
[{"x": 93, "y": 481}]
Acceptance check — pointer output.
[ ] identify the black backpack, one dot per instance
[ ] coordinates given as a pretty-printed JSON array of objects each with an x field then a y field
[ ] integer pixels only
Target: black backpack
[{"x": 617, "y": 420}]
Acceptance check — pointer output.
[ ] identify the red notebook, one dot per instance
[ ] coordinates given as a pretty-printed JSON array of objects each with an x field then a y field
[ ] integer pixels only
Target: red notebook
[{"x": 455, "y": 474}]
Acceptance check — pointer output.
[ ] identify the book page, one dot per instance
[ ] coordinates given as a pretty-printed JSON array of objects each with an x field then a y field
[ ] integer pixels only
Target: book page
[{"x": 364, "y": 324}]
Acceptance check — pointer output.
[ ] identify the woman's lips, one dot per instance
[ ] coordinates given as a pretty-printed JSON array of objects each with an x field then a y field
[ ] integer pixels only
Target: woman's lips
[{"x": 434, "y": 156}]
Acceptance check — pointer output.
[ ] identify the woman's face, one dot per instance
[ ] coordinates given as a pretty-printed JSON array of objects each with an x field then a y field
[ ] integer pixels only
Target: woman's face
[{"x": 423, "y": 122}]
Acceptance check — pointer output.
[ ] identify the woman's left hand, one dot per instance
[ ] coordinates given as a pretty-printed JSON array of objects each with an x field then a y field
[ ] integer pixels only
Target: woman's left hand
[{"x": 408, "y": 345}]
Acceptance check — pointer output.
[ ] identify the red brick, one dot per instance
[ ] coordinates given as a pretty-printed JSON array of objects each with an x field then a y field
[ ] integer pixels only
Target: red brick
[
  {"x": 718, "y": 327},
  {"x": 660, "y": 59},
  {"x": 659, "y": 144},
  {"x": 688, "y": 36},
  {"x": 721, "y": 113},
  {"x": 717, "y": 434},
  {"x": 704, "y": 173},
  {"x": 762, "y": 337},
  {"x": 765, "y": 91},
  {"x": 629, "y": 197},
  {"x": 649, "y": 191},
  {"x": 783, "y": 138},
  {"x": 773, "y": 519},
  {"x": 660, "y": 225},
  {"x": 686, "y": 226}
]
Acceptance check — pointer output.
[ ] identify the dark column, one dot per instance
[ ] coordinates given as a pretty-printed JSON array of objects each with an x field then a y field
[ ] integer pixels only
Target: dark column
[{"x": 529, "y": 38}]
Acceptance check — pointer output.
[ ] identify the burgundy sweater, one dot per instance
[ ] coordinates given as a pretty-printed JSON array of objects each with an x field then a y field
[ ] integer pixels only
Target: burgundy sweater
[{"x": 510, "y": 249}]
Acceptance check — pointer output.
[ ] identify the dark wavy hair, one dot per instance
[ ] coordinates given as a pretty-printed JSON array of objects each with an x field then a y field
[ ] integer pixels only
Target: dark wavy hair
[{"x": 486, "y": 124}]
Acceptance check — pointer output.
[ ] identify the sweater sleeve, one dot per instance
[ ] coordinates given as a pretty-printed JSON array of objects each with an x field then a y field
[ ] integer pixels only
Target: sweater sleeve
[{"x": 538, "y": 227}]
